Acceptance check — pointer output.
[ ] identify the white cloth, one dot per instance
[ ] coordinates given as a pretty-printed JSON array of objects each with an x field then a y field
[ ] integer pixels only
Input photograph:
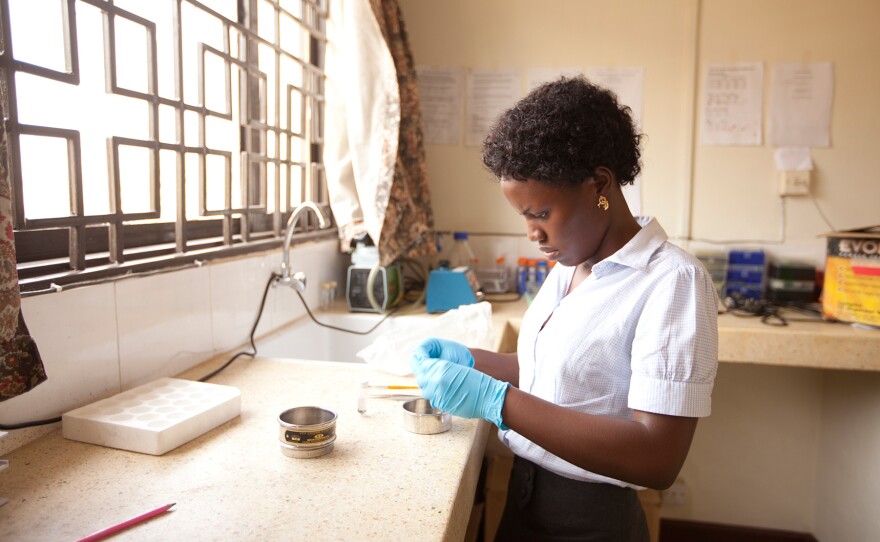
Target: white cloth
[
  {"x": 362, "y": 111},
  {"x": 640, "y": 333}
]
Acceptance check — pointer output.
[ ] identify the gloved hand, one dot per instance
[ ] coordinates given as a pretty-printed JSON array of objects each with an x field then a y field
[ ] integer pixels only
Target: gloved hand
[
  {"x": 459, "y": 390},
  {"x": 441, "y": 348}
]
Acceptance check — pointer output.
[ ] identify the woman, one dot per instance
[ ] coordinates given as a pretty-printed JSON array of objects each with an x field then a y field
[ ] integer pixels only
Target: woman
[{"x": 617, "y": 353}]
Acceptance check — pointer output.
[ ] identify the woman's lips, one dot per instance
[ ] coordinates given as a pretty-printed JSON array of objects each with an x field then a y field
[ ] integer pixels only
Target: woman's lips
[{"x": 551, "y": 253}]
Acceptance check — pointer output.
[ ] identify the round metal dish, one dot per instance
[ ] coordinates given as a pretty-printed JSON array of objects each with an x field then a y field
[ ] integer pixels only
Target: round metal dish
[
  {"x": 306, "y": 431},
  {"x": 300, "y": 452},
  {"x": 421, "y": 418}
]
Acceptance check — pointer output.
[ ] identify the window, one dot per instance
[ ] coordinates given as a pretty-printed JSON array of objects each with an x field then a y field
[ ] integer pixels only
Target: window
[{"x": 150, "y": 134}]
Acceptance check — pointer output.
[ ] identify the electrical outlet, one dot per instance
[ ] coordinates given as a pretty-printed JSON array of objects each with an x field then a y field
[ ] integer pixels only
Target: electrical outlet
[
  {"x": 794, "y": 182},
  {"x": 676, "y": 494}
]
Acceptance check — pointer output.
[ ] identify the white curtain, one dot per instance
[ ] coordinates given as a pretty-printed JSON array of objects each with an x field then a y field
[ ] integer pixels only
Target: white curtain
[{"x": 362, "y": 114}]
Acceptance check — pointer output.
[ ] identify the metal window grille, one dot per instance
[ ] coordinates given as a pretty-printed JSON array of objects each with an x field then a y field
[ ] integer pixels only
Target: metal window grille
[{"x": 212, "y": 116}]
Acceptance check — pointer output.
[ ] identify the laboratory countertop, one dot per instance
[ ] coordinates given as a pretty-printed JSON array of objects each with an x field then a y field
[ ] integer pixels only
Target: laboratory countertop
[
  {"x": 813, "y": 343},
  {"x": 380, "y": 482},
  {"x": 233, "y": 483}
]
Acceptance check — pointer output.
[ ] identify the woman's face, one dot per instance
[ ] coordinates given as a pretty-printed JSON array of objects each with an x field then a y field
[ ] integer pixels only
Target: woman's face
[{"x": 563, "y": 220}]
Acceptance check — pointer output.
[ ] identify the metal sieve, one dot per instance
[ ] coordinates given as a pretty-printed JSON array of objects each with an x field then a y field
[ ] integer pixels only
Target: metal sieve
[{"x": 306, "y": 431}]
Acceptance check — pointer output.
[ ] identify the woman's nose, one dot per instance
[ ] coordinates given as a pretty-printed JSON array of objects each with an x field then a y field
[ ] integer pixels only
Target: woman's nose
[{"x": 535, "y": 234}]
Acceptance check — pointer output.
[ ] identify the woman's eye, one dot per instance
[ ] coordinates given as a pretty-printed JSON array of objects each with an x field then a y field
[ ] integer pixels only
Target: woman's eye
[{"x": 541, "y": 216}]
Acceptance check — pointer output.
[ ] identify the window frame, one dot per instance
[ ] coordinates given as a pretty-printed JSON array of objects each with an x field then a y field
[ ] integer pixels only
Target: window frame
[{"x": 82, "y": 249}]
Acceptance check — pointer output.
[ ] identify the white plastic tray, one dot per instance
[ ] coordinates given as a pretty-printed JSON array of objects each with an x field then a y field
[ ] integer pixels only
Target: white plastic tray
[{"x": 155, "y": 417}]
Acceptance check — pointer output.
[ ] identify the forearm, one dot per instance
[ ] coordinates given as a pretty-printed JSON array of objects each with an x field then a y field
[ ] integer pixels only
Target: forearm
[
  {"x": 504, "y": 367},
  {"x": 648, "y": 450}
]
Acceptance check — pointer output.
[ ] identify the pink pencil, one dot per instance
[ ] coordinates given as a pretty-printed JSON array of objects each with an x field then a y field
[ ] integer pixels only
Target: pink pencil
[{"x": 126, "y": 524}]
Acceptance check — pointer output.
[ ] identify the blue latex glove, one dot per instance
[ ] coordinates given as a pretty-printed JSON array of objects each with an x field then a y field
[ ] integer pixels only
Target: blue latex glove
[
  {"x": 460, "y": 390},
  {"x": 441, "y": 348}
]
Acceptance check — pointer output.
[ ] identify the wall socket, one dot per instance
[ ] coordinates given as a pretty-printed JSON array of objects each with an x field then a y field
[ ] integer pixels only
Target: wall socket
[
  {"x": 676, "y": 494},
  {"x": 794, "y": 182}
]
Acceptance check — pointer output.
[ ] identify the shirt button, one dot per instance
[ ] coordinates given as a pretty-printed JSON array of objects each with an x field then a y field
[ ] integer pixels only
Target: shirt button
[{"x": 528, "y": 476}]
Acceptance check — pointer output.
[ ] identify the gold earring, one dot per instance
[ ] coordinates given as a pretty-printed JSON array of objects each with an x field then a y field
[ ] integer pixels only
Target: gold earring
[{"x": 603, "y": 203}]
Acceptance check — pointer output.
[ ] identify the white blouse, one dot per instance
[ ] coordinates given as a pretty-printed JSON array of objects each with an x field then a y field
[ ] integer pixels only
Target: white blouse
[{"x": 640, "y": 333}]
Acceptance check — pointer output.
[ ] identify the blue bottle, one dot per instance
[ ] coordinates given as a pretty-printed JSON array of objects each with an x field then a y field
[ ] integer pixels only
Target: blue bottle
[
  {"x": 522, "y": 275},
  {"x": 541, "y": 272}
]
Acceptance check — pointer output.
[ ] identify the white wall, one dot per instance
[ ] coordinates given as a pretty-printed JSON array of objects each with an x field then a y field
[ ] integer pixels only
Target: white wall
[
  {"x": 519, "y": 34},
  {"x": 785, "y": 448},
  {"x": 848, "y": 487},
  {"x": 98, "y": 340},
  {"x": 734, "y": 187},
  {"x": 754, "y": 461},
  {"x": 702, "y": 195}
]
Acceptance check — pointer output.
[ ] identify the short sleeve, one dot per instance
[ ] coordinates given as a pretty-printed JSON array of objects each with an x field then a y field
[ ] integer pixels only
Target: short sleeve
[{"x": 675, "y": 348}]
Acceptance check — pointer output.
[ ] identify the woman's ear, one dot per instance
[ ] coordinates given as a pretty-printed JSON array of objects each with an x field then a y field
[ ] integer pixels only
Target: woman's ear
[{"x": 603, "y": 179}]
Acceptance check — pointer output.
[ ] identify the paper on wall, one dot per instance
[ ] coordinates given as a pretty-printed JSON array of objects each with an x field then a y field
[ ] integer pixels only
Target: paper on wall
[
  {"x": 793, "y": 159},
  {"x": 732, "y": 104},
  {"x": 800, "y": 105},
  {"x": 489, "y": 93},
  {"x": 441, "y": 92}
]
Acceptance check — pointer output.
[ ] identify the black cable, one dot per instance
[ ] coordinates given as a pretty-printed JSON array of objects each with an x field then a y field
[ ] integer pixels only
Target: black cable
[
  {"x": 352, "y": 331},
  {"x": 272, "y": 278},
  {"x": 770, "y": 313},
  {"x": 23, "y": 425}
]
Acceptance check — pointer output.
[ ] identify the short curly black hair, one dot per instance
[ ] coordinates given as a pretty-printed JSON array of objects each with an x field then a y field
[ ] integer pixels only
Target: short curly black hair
[{"x": 561, "y": 132}]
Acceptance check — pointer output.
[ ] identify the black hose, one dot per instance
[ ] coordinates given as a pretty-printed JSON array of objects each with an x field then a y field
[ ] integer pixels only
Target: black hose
[{"x": 272, "y": 278}]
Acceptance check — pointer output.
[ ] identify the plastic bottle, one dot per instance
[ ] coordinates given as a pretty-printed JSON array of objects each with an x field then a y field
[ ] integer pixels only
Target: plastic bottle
[
  {"x": 541, "y": 272},
  {"x": 522, "y": 274},
  {"x": 461, "y": 254},
  {"x": 532, "y": 273}
]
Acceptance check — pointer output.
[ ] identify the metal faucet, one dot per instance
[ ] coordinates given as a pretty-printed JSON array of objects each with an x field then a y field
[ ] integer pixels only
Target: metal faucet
[{"x": 298, "y": 279}]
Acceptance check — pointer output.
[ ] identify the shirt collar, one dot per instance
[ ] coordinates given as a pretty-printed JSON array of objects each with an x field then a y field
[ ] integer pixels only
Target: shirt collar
[{"x": 637, "y": 252}]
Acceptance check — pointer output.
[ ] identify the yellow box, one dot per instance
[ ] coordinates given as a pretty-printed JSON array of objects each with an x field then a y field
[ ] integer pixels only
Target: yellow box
[{"x": 851, "y": 292}]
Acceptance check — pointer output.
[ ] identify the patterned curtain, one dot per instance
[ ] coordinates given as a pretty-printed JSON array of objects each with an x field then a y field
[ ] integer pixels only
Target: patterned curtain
[
  {"x": 409, "y": 220},
  {"x": 21, "y": 367},
  {"x": 373, "y": 153}
]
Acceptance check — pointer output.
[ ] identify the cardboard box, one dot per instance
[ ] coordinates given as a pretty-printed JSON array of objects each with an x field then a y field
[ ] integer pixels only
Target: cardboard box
[{"x": 851, "y": 292}]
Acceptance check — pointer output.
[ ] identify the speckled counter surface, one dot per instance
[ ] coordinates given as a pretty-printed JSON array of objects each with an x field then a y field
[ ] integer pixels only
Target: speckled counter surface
[
  {"x": 379, "y": 483},
  {"x": 816, "y": 344},
  {"x": 232, "y": 483}
]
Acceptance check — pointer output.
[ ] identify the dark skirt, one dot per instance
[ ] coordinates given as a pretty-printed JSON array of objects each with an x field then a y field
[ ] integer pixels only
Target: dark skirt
[{"x": 542, "y": 505}]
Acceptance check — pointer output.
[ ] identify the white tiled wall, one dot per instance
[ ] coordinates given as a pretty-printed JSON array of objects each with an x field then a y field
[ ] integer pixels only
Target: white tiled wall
[
  {"x": 236, "y": 289},
  {"x": 98, "y": 340},
  {"x": 164, "y": 324},
  {"x": 76, "y": 335}
]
